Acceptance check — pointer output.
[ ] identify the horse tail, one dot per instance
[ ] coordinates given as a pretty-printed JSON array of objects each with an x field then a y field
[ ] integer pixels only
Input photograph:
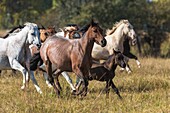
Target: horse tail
[{"x": 35, "y": 61}]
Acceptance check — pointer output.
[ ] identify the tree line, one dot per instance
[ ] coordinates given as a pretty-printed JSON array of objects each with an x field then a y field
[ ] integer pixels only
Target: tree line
[{"x": 150, "y": 18}]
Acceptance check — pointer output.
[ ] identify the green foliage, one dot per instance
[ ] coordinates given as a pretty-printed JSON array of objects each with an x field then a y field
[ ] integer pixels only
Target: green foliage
[{"x": 151, "y": 17}]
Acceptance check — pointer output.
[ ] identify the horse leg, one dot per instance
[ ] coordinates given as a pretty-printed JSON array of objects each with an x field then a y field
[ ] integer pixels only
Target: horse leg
[
  {"x": 84, "y": 80},
  {"x": 107, "y": 88},
  {"x": 45, "y": 75},
  {"x": 17, "y": 66},
  {"x": 132, "y": 56},
  {"x": 78, "y": 83},
  {"x": 115, "y": 89},
  {"x": 35, "y": 82},
  {"x": 69, "y": 80},
  {"x": 57, "y": 86},
  {"x": 128, "y": 69},
  {"x": 48, "y": 66}
]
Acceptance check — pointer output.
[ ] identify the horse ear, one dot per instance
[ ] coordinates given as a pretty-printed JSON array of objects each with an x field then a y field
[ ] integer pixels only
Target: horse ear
[{"x": 92, "y": 22}]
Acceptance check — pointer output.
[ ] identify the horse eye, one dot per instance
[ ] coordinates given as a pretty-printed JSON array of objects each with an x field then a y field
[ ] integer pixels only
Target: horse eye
[
  {"x": 95, "y": 30},
  {"x": 46, "y": 34}
]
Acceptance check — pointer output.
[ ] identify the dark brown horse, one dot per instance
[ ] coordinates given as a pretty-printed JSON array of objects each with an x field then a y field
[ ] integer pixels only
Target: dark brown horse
[
  {"x": 71, "y": 55},
  {"x": 105, "y": 72}
]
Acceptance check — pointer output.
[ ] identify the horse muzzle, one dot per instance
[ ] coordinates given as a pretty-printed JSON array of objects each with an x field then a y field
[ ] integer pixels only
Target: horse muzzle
[
  {"x": 123, "y": 64},
  {"x": 103, "y": 43}
]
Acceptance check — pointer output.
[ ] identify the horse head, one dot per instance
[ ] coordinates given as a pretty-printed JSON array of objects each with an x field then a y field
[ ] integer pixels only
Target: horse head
[
  {"x": 33, "y": 34},
  {"x": 96, "y": 33},
  {"x": 115, "y": 59},
  {"x": 129, "y": 31},
  {"x": 119, "y": 59},
  {"x": 46, "y": 32}
]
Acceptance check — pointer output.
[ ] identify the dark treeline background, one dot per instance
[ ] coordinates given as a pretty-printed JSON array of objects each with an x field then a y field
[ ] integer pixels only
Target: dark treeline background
[{"x": 150, "y": 18}]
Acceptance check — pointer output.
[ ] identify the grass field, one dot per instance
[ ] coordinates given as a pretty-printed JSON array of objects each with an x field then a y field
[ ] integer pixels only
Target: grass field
[{"x": 146, "y": 90}]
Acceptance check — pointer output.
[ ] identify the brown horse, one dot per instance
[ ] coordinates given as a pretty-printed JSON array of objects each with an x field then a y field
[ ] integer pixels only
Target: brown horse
[
  {"x": 44, "y": 34},
  {"x": 71, "y": 55}
]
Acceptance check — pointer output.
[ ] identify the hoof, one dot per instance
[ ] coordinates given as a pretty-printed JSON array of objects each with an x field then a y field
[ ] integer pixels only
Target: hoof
[
  {"x": 22, "y": 87},
  {"x": 129, "y": 72},
  {"x": 48, "y": 84},
  {"x": 73, "y": 92},
  {"x": 40, "y": 92},
  {"x": 139, "y": 66},
  {"x": 122, "y": 69}
]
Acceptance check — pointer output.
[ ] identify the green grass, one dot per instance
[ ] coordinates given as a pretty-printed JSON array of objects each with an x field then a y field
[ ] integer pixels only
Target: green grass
[{"x": 146, "y": 90}]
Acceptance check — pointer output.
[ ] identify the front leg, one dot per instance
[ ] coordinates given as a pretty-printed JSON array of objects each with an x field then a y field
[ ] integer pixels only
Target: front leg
[{"x": 115, "y": 89}]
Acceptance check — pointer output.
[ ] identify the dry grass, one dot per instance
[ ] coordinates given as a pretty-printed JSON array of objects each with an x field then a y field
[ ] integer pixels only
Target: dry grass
[{"x": 146, "y": 90}]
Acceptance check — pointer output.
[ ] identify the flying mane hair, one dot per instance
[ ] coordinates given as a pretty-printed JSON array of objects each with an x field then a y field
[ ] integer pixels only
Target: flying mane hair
[{"x": 115, "y": 26}]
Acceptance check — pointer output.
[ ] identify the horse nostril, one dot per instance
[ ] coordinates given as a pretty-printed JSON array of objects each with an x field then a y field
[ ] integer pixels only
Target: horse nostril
[
  {"x": 38, "y": 45},
  {"x": 104, "y": 42}
]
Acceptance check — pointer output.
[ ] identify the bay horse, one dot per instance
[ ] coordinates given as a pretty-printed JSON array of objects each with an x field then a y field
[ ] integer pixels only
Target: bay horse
[
  {"x": 15, "y": 53},
  {"x": 115, "y": 38},
  {"x": 71, "y": 55}
]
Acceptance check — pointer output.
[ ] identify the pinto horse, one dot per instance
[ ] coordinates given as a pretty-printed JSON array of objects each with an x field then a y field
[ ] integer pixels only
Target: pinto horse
[
  {"x": 115, "y": 38},
  {"x": 71, "y": 55}
]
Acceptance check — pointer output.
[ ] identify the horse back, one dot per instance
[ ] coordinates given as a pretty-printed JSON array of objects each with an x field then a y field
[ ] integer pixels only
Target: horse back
[{"x": 57, "y": 49}]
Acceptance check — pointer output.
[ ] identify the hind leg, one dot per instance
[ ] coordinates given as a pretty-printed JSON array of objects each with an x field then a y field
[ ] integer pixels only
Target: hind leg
[
  {"x": 115, "y": 89},
  {"x": 17, "y": 66},
  {"x": 50, "y": 77},
  {"x": 35, "y": 82},
  {"x": 46, "y": 79}
]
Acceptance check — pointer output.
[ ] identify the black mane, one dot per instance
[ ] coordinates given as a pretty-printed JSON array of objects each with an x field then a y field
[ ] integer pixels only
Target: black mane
[{"x": 11, "y": 31}]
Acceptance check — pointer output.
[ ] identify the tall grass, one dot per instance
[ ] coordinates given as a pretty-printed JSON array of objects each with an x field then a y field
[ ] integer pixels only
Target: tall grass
[{"x": 146, "y": 90}]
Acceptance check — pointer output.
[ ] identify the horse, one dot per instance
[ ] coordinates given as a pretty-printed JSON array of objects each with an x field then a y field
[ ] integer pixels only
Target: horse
[
  {"x": 105, "y": 72},
  {"x": 15, "y": 53},
  {"x": 46, "y": 32},
  {"x": 71, "y": 55},
  {"x": 127, "y": 52},
  {"x": 115, "y": 38}
]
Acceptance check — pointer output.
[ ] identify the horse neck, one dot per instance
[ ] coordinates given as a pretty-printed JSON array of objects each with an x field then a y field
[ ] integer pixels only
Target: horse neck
[
  {"x": 21, "y": 37},
  {"x": 113, "y": 68},
  {"x": 87, "y": 44},
  {"x": 118, "y": 37}
]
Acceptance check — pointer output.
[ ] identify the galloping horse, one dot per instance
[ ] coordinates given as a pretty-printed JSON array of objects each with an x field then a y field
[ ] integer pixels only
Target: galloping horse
[
  {"x": 15, "y": 53},
  {"x": 60, "y": 54},
  {"x": 115, "y": 38}
]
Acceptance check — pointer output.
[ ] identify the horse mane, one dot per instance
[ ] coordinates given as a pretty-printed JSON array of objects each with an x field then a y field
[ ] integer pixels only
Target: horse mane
[
  {"x": 84, "y": 28},
  {"x": 11, "y": 31},
  {"x": 115, "y": 26}
]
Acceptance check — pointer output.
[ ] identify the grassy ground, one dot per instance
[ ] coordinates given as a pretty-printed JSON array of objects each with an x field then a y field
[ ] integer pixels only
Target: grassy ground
[{"x": 146, "y": 90}]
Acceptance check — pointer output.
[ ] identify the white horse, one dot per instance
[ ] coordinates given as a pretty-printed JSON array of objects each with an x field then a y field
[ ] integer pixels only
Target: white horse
[
  {"x": 15, "y": 53},
  {"x": 115, "y": 39}
]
